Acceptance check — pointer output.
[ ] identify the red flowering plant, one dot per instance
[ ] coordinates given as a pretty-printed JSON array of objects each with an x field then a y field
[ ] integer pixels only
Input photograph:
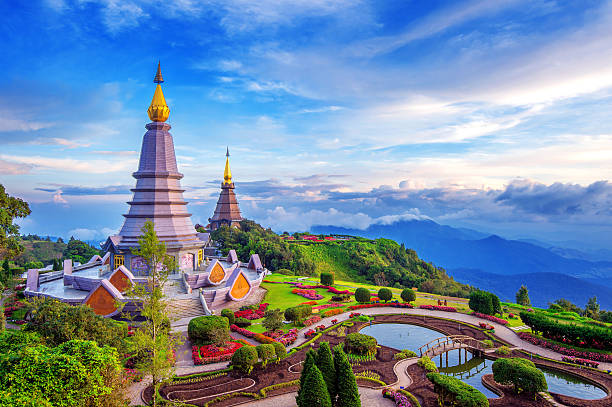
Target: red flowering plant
[
  {"x": 490, "y": 318},
  {"x": 354, "y": 314},
  {"x": 310, "y": 294},
  {"x": 289, "y": 337},
  {"x": 309, "y": 333},
  {"x": 600, "y": 357},
  {"x": 334, "y": 321},
  {"x": 251, "y": 314},
  {"x": 320, "y": 328},
  {"x": 438, "y": 308},
  {"x": 242, "y": 331},
  {"x": 212, "y": 353},
  {"x": 377, "y": 305},
  {"x": 579, "y": 361},
  {"x": 312, "y": 320}
]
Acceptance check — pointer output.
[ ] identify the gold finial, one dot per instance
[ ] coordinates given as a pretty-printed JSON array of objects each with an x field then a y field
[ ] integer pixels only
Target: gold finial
[
  {"x": 227, "y": 174},
  {"x": 158, "y": 110}
]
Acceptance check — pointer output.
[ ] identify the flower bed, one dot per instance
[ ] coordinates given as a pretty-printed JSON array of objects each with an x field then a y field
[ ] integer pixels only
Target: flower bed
[
  {"x": 600, "y": 357},
  {"x": 484, "y": 325},
  {"x": 310, "y": 294},
  {"x": 332, "y": 312},
  {"x": 325, "y": 306},
  {"x": 438, "y": 308},
  {"x": 242, "y": 331},
  {"x": 132, "y": 375},
  {"x": 252, "y": 314},
  {"x": 490, "y": 318},
  {"x": 261, "y": 338},
  {"x": 309, "y": 333},
  {"x": 203, "y": 355},
  {"x": 578, "y": 361},
  {"x": 289, "y": 337},
  {"x": 309, "y": 303},
  {"x": 388, "y": 304},
  {"x": 312, "y": 320},
  {"x": 400, "y": 399}
]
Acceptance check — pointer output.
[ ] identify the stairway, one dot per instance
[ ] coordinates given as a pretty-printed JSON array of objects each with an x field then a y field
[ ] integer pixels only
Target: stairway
[{"x": 185, "y": 308}]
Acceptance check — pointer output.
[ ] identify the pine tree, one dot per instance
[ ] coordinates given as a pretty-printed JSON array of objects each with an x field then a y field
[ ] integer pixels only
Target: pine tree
[
  {"x": 325, "y": 363},
  {"x": 522, "y": 296},
  {"x": 348, "y": 393},
  {"x": 309, "y": 362},
  {"x": 315, "y": 392}
]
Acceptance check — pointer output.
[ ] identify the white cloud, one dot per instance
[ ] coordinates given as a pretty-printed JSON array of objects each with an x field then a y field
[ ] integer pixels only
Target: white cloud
[
  {"x": 58, "y": 198},
  {"x": 11, "y": 168},
  {"x": 71, "y": 164}
]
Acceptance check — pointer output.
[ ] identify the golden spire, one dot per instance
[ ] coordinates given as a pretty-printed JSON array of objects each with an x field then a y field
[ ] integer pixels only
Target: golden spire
[
  {"x": 159, "y": 110},
  {"x": 227, "y": 174}
]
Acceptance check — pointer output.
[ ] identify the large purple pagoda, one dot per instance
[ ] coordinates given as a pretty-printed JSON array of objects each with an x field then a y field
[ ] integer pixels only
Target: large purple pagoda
[
  {"x": 158, "y": 197},
  {"x": 227, "y": 211}
]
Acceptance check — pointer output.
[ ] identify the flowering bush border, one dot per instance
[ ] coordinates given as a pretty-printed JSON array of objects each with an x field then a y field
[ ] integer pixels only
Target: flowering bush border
[
  {"x": 252, "y": 314},
  {"x": 490, "y": 318},
  {"x": 593, "y": 356},
  {"x": 438, "y": 308},
  {"x": 579, "y": 361},
  {"x": 206, "y": 354}
]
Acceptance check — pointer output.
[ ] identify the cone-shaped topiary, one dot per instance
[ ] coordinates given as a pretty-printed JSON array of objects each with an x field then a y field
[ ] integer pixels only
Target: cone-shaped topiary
[
  {"x": 309, "y": 362},
  {"x": 325, "y": 363},
  {"x": 315, "y": 392},
  {"x": 348, "y": 393}
]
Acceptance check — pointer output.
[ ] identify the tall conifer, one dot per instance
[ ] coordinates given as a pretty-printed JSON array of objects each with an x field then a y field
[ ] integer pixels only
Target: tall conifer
[
  {"x": 309, "y": 362},
  {"x": 348, "y": 393},
  {"x": 315, "y": 392},
  {"x": 325, "y": 363}
]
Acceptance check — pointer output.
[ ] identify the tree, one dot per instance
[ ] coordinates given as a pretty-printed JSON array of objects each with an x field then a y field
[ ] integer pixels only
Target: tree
[
  {"x": 566, "y": 305},
  {"x": 327, "y": 278},
  {"x": 592, "y": 308},
  {"x": 273, "y": 319},
  {"x": 522, "y": 296},
  {"x": 153, "y": 337},
  {"x": 244, "y": 358},
  {"x": 362, "y": 295},
  {"x": 346, "y": 385},
  {"x": 325, "y": 363},
  {"x": 2, "y": 319},
  {"x": 10, "y": 209},
  {"x": 521, "y": 373},
  {"x": 309, "y": 363},
  {"x": 280, "y": 350},
  {"x": 266, "y": 353},
  {"x": 315, "y": 392},
  {"x": 80, "y": 251},
  {"x": 484, "y": 302},
  {"x": 209, "y": 329},
  {"x": 408, "y": 295},
  {"x": 385, "y": 294}
]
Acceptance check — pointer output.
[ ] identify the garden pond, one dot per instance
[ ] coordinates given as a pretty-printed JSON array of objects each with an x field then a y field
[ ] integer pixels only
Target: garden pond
[{"x": 470, "y": 371}]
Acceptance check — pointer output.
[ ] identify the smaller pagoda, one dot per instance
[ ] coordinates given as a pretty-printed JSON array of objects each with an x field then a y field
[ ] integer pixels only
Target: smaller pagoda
[{"x": 227, "y": 211}]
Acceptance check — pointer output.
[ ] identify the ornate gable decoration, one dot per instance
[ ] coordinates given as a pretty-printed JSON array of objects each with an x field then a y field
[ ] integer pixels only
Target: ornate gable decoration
[
  {"x": 102, "y": 299},
  {"x": 255, "y": 262},
  {"x": 216, "y": 273},
  {"x": 232, "y": 257},
  {"x": 121, "y": 278},
  {"x": 240, "y": 286}
]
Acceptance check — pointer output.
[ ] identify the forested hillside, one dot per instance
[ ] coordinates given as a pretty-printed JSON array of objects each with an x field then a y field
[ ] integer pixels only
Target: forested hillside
[{"x": 380, "y": 261}]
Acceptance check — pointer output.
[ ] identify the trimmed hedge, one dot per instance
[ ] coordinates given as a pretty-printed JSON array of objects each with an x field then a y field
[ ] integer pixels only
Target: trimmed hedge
[
  {"x": 578, "y": 335},
  {"x": 360, "y": 344},
  {"x": 229, "y": 314},
  {"x": 209, "y": 329},
  {"x": 362, "y": 295},
  {"x": 242, "y": 322},
  {"x": 453, "y": 392},
  {"x": 244, "y": 359},
  {"x": 426, "y": 363},
  {"x": 521, "y": 373},
  {"x": 327, "y": 278},
  {"x": 408, "y": 295},
  {"x": 385, "y": 294},
  {"x": 298, "y": 313}
]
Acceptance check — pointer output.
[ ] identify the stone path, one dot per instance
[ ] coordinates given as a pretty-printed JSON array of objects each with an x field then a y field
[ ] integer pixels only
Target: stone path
[
  {"x": 369, "y": 397},
  {"x": 519, "y": 328}
]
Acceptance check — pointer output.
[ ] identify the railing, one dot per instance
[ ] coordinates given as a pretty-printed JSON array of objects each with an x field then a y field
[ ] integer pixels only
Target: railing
[{"x": 447, "y": 343}]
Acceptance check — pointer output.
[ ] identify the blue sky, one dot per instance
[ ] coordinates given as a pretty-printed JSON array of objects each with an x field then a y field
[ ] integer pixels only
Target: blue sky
[{"x": 490, "y": 115}]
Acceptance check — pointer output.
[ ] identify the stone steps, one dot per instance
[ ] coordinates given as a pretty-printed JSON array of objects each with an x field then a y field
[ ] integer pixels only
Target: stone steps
[{"x": 185, "y": 308}]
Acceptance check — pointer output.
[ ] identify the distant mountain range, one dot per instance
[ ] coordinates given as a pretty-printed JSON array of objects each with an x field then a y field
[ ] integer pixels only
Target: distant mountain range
[{"x": 483, "y": 260}]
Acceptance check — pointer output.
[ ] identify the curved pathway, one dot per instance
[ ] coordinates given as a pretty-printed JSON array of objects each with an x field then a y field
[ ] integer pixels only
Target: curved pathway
[
  {"x": 504, "y": 333},
  {"x": 369, "y": 397}
]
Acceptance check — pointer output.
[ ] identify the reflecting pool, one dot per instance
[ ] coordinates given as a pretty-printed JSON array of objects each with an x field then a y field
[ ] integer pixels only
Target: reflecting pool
[{"x": 469, "y": 369}]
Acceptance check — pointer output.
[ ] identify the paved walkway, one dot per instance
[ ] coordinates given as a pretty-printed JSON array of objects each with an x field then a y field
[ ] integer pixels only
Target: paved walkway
[{"x": 369, "y": 397}]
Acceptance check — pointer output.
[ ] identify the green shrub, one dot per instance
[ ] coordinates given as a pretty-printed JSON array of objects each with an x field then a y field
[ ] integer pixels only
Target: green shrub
[
  {"x": 242, "y": 322},
  {"x": 362, "y": 295},
  {"x": 325, "y": 362},
  {"x": 327, "y": 278},
  {"x": 453, "y": 392},
  {"x": 284, "y": 272},
  {"x": 244, "y": 358},
  {"x": 266, "y": 353},
  {"x": 426, "y": 363},
  {"x": 298, "y": 313},
  {"x": 229, "y": 314},
  {"x": 488, "y": 343},
  {"x": 385, "y": 294},
  {"x": 521, "y": 373},
  {"x": 408, "y": 295},
  {"x": 315, "y": 392},
  {"x": 404, "y": 354},
  {"x": 360, "y": 344},
  {"x": 209, "y": 329},
  {"x": 280, "y": 350},
  {"x": 484, "y": 302},
  {"x": 503, "y": 350},
  {"x": 346, "y": 385}
]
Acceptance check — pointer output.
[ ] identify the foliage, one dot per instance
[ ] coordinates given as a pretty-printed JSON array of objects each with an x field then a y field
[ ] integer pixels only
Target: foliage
[
  {"x": 404, "y": 354},
  {"x": 76, "y": 373},
  {"x": 325, "y": 362},
  {"x": 58, "y": 322},
  {"x": 484, "y": 302},
  {"x": 40, "y": 250},
  {"x": 362, "y": 295},
  {"x": 564, "y": 350},
  {"x": 273, "y": 319},
  {"x": 521, "y": 373},
  {"x": 522, "y": 296},
  {"x": 503, "y": 350},
  {"x": 229, "y": 314},
  {"x": 314, "y": 392},
  {"x": 309, "y": 362},
  {"x": 79, "y": 251},
  {"x": 279, "y": 350},
  {"x": 453, "y": 392},
  {"x": 298, "y": 313},
  {"x": 244, "y": 359},
  {"x": 11, "y": 208},
  {"x": 275, "y": 253},
  {"x": 346, "y": 385},
  {"x": 408, "y": 295},
  {"x": 426, "y": 363},
  {"x": 565, "y": 305},
  {"x": 487, "y": 343},
  {"x": 266, "y": 353},
  {"x": 385, "y": 294},
  {"x": 579, "y": 335},
  {"x": 591, "y": 309},
  {"x": 153, "y": 338},
  {"x": 242, "y": 322},
  {"x": 327, "y": 278},
  {"x": 360, "y": 344},
  {"x": 209, "y": 329}
]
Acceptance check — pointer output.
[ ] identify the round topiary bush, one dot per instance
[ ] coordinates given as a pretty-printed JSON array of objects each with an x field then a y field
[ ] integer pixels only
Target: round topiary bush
[
  {"x": 229, "y": 314},
  {"x": 327, "y": 278},
  {"x": 408, "y": 295},
  {"x": 208, "y": 330},
  {"x": 521, "y": 373},
  {"x": 362, "y": 295},
  {"x": 360, "y": 344},
  {"x": 242, "y": 322},
  {"x": 385, "y": 294},
  {"x": 279, "y": 350},
  {"x": 244, "y": 358}
]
